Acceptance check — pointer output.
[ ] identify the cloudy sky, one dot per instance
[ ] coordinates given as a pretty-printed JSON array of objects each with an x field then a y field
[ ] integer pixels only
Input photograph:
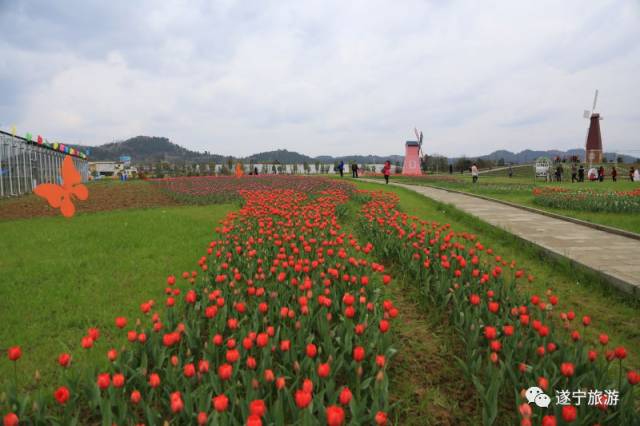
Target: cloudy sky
[{"x": 323, "y": 77}]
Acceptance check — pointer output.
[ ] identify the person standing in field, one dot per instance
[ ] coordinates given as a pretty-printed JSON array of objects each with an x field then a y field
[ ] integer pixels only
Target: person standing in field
[
  {"x": 614, "y": 174},
  {"x": 601, "y": 174},
  {"x": 341, "y": 168},
  {"x": 386, "y": 171},
  {"x": 631, "y": 169},
  {"x": 636, "y": 175},
  {"x": 510, "y": 171},
  {"x": 354, "y": 170},
  {"x": 474, "y": 173},
  {"x": 574, "y": 173},
  {"x": 581, "y": 173}
]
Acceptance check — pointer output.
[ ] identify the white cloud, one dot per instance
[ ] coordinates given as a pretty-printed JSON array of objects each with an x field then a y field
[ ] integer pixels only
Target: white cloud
[{"x": 326, "y": 77}]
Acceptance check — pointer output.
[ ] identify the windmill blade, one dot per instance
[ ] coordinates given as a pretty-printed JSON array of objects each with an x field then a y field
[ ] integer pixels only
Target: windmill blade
[
  {"x": 586, "y": 114},
  {"x": 595, "y": 99}
]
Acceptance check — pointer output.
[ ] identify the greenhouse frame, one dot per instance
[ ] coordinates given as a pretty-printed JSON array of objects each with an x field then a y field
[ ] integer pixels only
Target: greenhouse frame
[{"x": 25, "y": 164}]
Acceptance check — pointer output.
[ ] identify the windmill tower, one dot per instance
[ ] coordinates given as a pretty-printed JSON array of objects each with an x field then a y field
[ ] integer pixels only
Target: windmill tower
[
  {"x": 593, "y": 148},
  {"x": 411, "y": 166}
]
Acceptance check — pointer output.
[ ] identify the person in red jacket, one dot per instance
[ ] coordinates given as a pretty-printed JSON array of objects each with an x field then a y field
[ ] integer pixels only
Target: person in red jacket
[{"x": 386, "y": 170}]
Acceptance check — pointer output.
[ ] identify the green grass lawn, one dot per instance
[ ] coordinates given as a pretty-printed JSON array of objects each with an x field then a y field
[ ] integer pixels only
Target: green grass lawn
[
  {"x": 612, "y": 312},
  {"x": 64, "y": 275},
  {"x": 519, "y": 190}
]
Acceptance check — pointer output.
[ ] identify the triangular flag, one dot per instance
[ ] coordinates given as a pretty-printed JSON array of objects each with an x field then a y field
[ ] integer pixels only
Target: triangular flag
[
  {"x": 39, "y": 140},
  {"x": 28, "y": 136}
]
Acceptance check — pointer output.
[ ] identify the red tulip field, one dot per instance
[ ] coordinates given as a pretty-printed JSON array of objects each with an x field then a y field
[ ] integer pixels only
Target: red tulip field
[{"x": 287, "y": 319}]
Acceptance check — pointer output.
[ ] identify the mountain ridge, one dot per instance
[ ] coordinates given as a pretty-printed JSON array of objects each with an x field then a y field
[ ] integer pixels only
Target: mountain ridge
[{"x": 151, "y": 149}]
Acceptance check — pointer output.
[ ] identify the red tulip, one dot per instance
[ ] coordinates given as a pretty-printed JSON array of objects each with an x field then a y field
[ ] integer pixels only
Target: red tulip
[
  {"x": 490, "y": 332},
  {"x": 257, "y": 407},
  {"x": 620, "y": 352},
  {"x": 11, "y": 419},
  {"x": 312, "y": 350},
  {"x": 549, "y": 421},
  {"x": 104, "y": 380},
  {"x": 358, "y": 353},
  {"x": 61, "y": 395},
  {"x": 112, "y": 355},
  {"x": 633, "y": 377},
  {"x": 345, "y": 396},
  {"x": 87, "y": 342},
  {"x": 189, "y": 370},
  {"x": 302, "y": 398},
  {"x": 220, "y": 403},
  {"x": 254, "y": 420},
  {"x": 569, "y": 413},
  {"x": 154, "y": 380},
  {"x": 177, "y": 405},
  {"x": 64, "y": 359},
  {"x": 324, "y": 370},
  {"x": 121, "y": 322},
  {"x": 567, "y": 369},
  {"x": 225, "y": 371},
  {"x": 202, "y": 418},
  {"x": 381, "y": 418},
  {"x": 94, "y": 333},
  {"x": 135, "y": 397},
  {"x": 14, "y": 353},
  {"x": 335, "y": 415},
  {"x": 118, "y": 380},
  {"x": 604, "y": 339}
]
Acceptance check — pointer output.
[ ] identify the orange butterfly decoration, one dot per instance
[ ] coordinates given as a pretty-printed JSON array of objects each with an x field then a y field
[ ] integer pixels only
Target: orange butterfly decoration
[{"x": 61, "y": 196}]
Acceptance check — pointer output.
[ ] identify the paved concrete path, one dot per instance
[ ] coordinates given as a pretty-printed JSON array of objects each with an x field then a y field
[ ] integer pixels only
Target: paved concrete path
[{"x": 615, "y": 257}]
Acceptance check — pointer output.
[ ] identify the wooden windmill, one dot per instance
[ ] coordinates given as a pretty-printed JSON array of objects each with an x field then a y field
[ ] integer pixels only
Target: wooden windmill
[{"x": 593, "y": 148}]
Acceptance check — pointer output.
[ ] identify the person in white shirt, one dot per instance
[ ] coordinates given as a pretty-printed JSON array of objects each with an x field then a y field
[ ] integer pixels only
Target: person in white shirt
[
  {"x": 636, "y": 176},
  {"x": 474, "y": 173}
]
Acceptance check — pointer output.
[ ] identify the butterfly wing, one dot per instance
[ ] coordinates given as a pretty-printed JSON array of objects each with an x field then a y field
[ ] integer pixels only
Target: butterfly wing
[
  {"x": 67, "y": 208},
  {"x": 51, "y": 192},
  {"x": 70, "y": 175},
  {"x": 80, "y": 192}
]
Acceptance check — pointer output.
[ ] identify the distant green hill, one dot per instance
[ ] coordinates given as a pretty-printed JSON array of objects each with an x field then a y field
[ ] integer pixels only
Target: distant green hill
[{"x": 147, "y": 149}]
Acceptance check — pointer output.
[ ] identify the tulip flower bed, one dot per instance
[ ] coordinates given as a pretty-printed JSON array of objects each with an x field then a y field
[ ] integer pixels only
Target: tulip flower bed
[
  {"x": 282, "y": 324},
  {"x": 588, "y": 200},
  {"x": 220, "y": 189},
  {"x": 512, "y": 342}
]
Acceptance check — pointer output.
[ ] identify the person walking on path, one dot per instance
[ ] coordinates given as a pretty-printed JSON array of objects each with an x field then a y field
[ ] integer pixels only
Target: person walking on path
[
  {"x": 341, "y": 168},
  {"x": 601, "y": 174},
  {"x": 386, "y": 171},
  {"x": 574, "y": 173},
  {"x": 474, "y": 173},
  {"x": 354, "y": 170},
  {"x": 510, "y": 171},
  {"x": 614, "y": 174}
]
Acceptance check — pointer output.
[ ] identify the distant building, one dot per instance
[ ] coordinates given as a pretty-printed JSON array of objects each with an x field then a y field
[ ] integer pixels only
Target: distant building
[{"x": 111, "y": 169}]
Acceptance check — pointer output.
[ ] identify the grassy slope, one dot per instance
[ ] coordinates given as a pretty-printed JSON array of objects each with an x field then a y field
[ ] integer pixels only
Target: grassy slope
[
  {"x": 66, "y": 275},
  {"x": 584, "y": 293},
  {"x": 519, "y": 190}
]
